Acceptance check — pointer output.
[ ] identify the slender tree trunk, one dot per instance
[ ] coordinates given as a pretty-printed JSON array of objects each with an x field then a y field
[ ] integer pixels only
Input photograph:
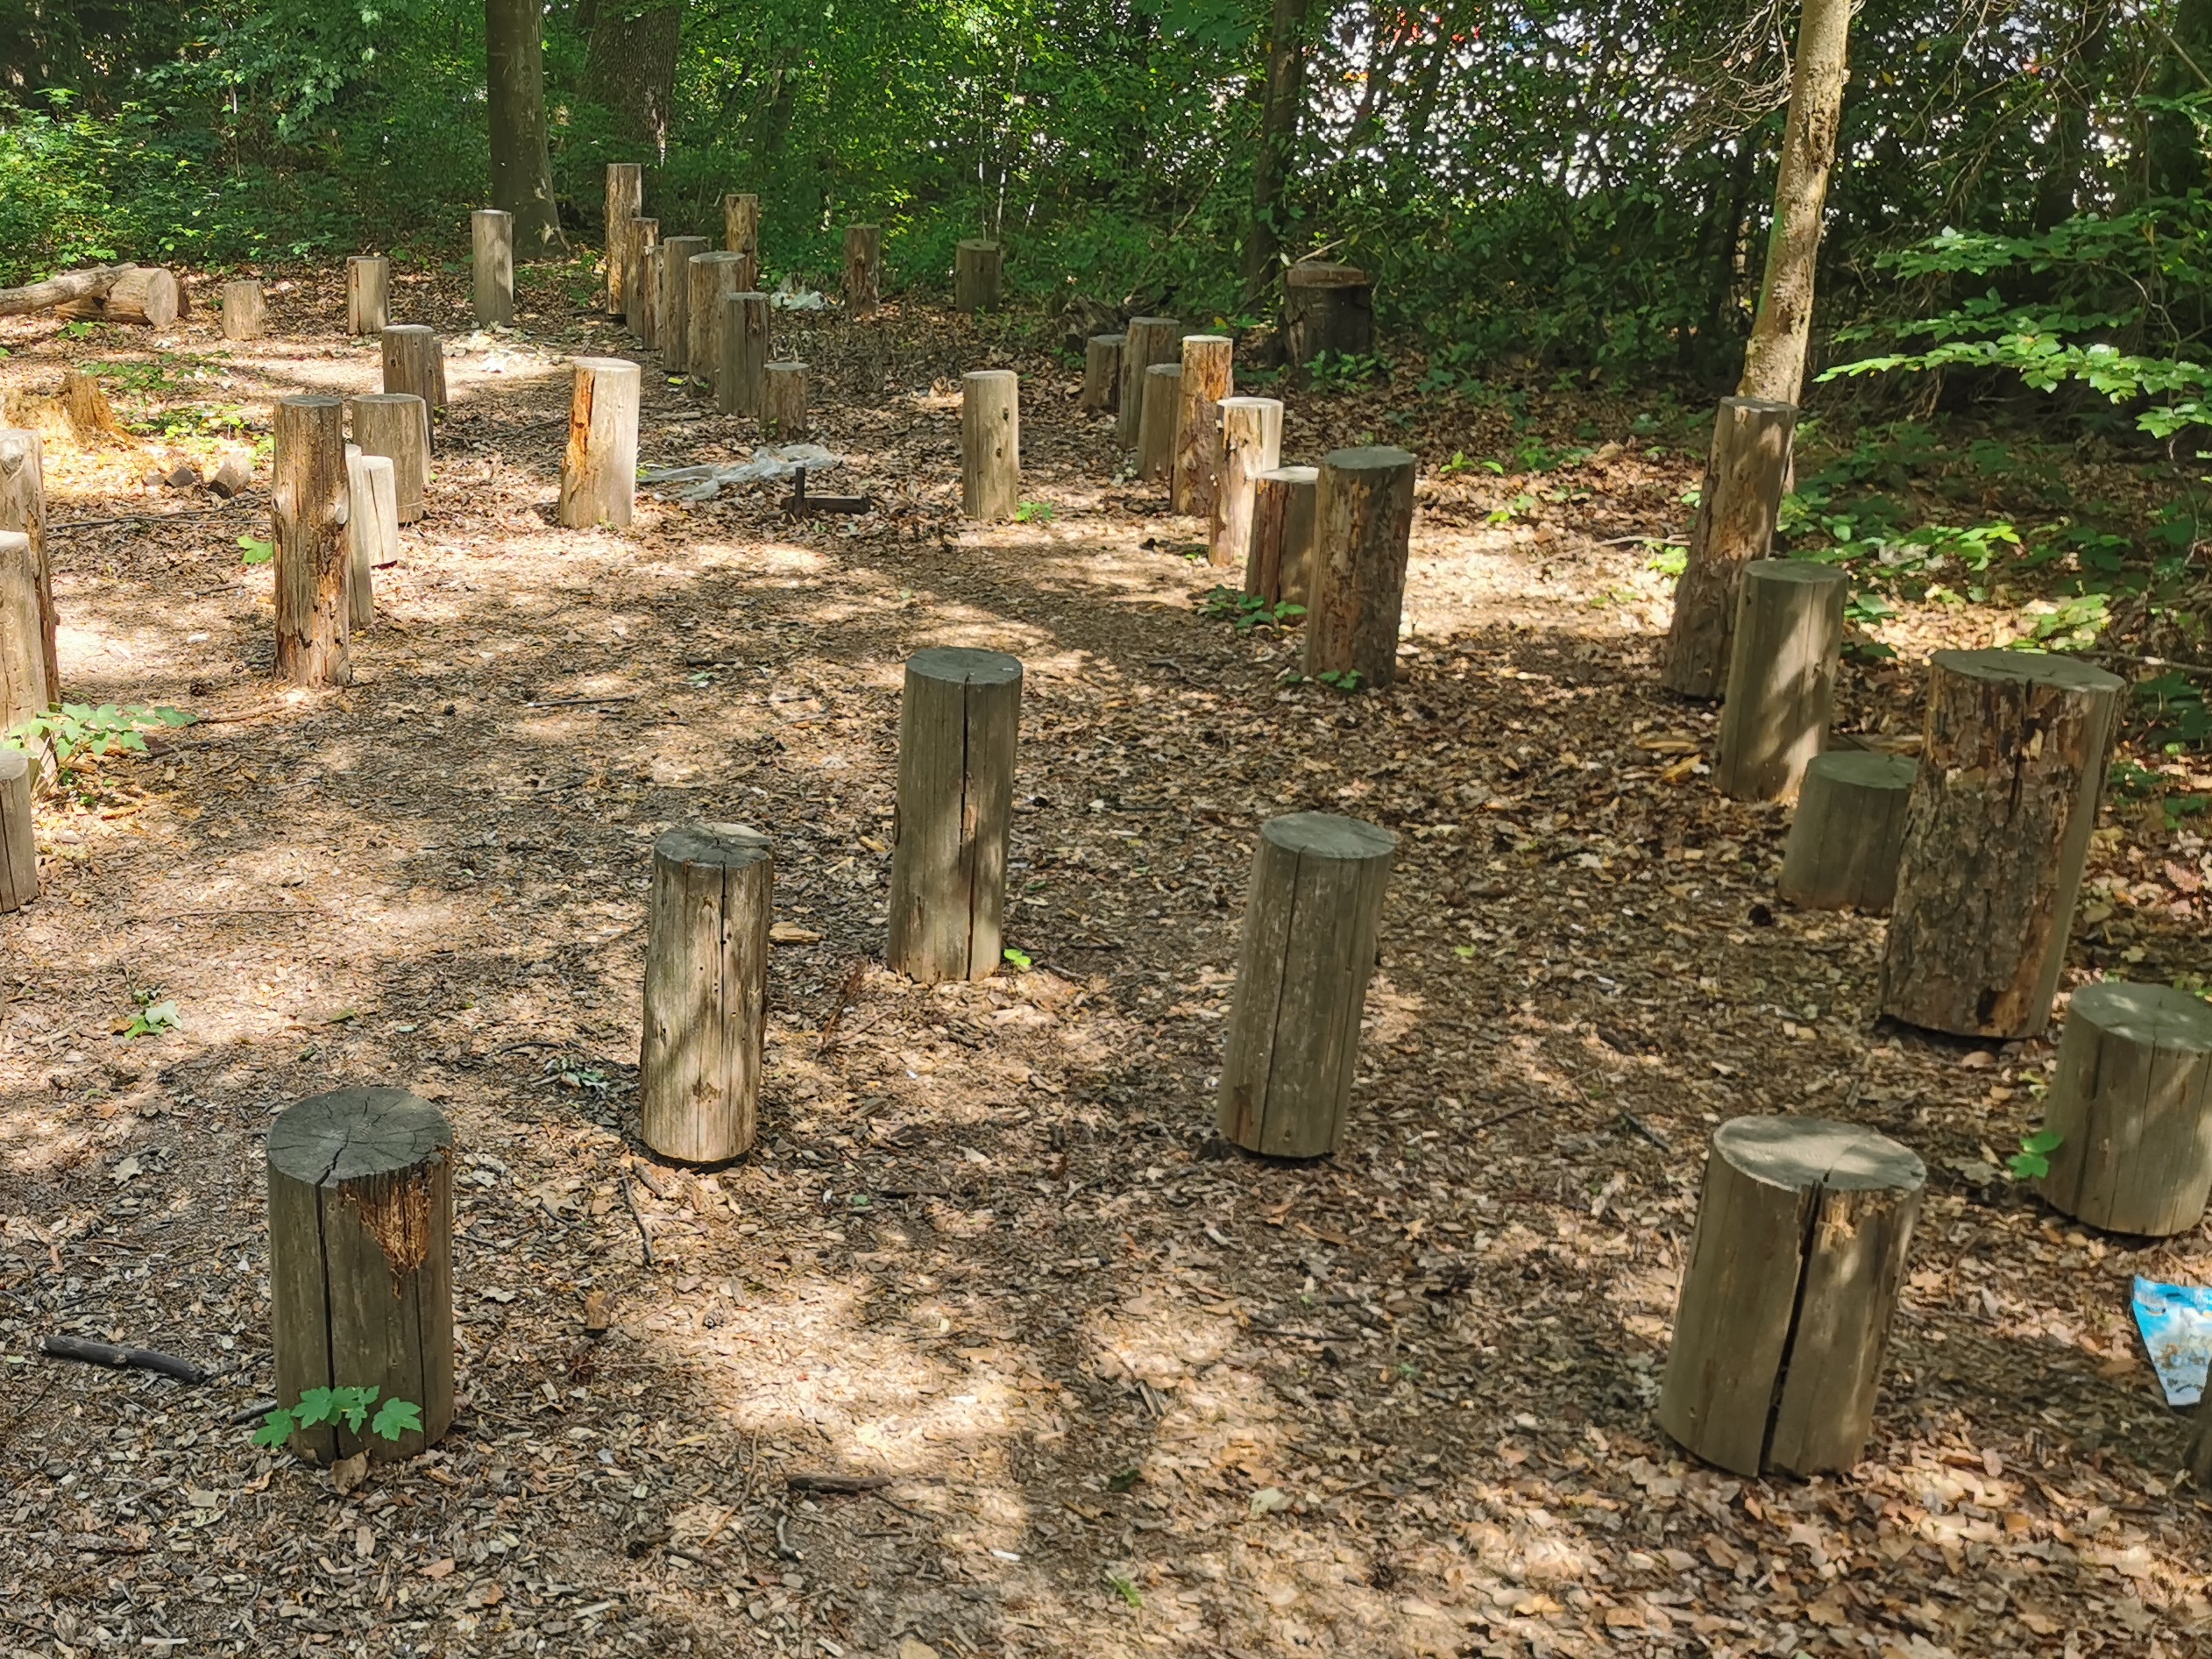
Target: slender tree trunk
[
  {"x": 522, "y": 164},
  {"x": 1284, "y": 96},
  {"x": 1774, "y": 367},
  {"x": 2173, "y": 151},
  {"x": 630, "y": 67}
]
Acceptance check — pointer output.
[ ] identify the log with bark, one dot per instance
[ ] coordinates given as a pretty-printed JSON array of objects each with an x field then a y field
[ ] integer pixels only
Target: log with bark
[
  {"x": 144, "y": 294},
  {"x": 59, "y": 290}
]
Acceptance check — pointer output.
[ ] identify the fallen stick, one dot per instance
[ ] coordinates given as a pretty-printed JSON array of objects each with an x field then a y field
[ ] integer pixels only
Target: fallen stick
[
  {"x": 846, "y": 1484},
  {"x": 100, "y": 1353}
]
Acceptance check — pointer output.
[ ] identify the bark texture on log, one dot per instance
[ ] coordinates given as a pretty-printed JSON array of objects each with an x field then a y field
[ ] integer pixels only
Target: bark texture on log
[
  {"x": 143, "y": 294},
  {"x": 1280, "y": 566},
  {"x": 741, "y": 227},
  {"x": 598, "y": 470},
  {"x": 1252, "y": 443},
  {"x": 1364, "y": 516},
  {"x": 59, "y": 290},
  {"x": 1327, "y": 308},
  {"x": 23, "y": 507},
  {"x": 312, "y": 566},
  {"x": 1156, "y": 430},
  {"x": 863, "y": 268},
  {"x": 1782, "y": 676},
  {"x": 2131, "y": 1104},
  {"x": 1207, "y": 378},
  {"x": 1747, "y": 468},
  {"x": 625, "y": 201},
  {"x": 991, "y": 430},
  {"x": 639, "y": 278},
  {"x": 1848, "y": 832}
]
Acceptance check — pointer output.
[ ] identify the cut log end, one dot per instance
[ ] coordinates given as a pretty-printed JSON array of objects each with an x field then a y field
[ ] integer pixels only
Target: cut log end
[{"x": 2131, "y": 1107}]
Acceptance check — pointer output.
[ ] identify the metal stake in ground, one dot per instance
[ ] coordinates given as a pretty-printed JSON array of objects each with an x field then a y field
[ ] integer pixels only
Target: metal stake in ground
[{"x": 307, "y": 510}]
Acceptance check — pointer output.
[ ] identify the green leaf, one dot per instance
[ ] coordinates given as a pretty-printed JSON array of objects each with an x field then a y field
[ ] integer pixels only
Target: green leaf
[
  {"x": 317, "y": 1407},
  {"x": 397, "y": 1417},
  {"x": 2028, "y": 1165},
  {"x": 2047, "y": 1140},
  {"x": 277, "y": 1428},
  {"x": 1019, "y": 959},
  {"x": 257, "y": 551}
]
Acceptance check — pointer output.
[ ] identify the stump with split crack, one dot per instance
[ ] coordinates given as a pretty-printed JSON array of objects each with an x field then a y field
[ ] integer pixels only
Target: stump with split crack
[
  {"x": 991, "y": 430},
  {"x": 599, "y": 469}
]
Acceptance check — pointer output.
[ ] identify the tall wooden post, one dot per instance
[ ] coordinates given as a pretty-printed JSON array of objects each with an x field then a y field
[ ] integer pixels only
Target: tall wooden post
[
  {"x": 491, "y": 265},
  {"x": 244, "y": 311},
  {"x": 361, "y": 1262},
  {"x": 397, "y": 425},
  {"x": 23, "y": 507},
  {"x": 976, "y": 267},
  {"x": 673, "y": 322},
  {"x": 863, "y": 268},
  {"x": 1745, "y": 472},
  {"x": 625, "y": 200},
  {"x": 24, "y": 690},
  {"x": 1364, "y": 515},
  {"x": 2131, "y": 1105},
  {"x": 307, "y": 508},
  {"x": 1782, "y": 676},
  {"x": 19, "y": 834},
  {"x": 740, "y": 387},
  {"x": 1280, "y": 564},
  {"x": 741, "y": 230},
  {"x": 706, "y": 991},
  {"x": 957, "y": 727},
  {"x": 784, "y": 416},
  {"x": 639, "y": 278},
  {"x": 372, "y": 532},
  {"x": 598, "y": 470},
  {"x": 651, "y": 284},
  {"x": 1207, "y": 379},
  {"x": 713, "y": 275},
  {"x": 1156, "y": 433},
  {"x": 1102, "y": 372},
  {"x": 368, "y": 293},
  {"x": 414, "y": 364},
  {"x": 1848, "y": 833},
  {"x": 1146, "y": 341},
  {"x": 1252, "y": 443},
  {"x": 991, "y": 430}
]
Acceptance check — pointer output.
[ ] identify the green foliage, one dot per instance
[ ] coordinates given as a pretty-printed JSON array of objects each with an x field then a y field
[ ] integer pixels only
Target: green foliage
[
  {"x": 1033, "y": 513},
  {"x": 349, "y": 1406},
  {"x": 154, "y": 1015},
  {"x": 2032, "y": 1161},
  {"x": 78, "y": 729},
  {"x": 255, "y": 550},
  {"x": 1247, "y": 611},
  {"x": 1346, "y": 680},
  {"x": 1019, "y": 959}
]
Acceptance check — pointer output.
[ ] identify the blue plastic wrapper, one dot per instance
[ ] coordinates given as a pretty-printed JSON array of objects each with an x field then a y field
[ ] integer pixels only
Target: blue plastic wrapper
[{"x": 2176, "y": 1323}]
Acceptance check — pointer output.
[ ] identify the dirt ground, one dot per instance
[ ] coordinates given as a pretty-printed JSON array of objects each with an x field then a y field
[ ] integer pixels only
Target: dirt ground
[{"x": 1138, "y": 1392}]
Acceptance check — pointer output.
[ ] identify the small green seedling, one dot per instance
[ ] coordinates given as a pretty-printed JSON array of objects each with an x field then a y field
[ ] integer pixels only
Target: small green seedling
[
  {"x": 1019, "y": 959},
  {"x": 257, "y": 551},
  {"x": 79, "y": 728},
  {"x": 1033, "y": 513},
  {"x": 351, "y": 1406},
  {"x": 1340, "y": 679},
  {"x": 1125, "y": 1589},
  {"x": 155, "y": 1015},
  {"x": 2032, "y": 1161},
  {"x": 1248, "y": 611}
]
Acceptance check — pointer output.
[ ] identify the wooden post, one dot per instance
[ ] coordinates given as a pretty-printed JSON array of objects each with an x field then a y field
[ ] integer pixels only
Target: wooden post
[
  {"x": 23, "y": 688},
  {"x": 706, "y": 991},
  {"x": 1102, "y": 372},
  {"x": 1279, "y": 563},
  {"x": 397, "y": 425},
  {"x": 1311, "y": 917},
  {"x": 1149, "y": 340},
  {"x": 1363, "y": 519},
  {"x": 991, "y": 430},
  {"x": 307, "y": 503},
  {"x": 625, "y": 200},
  {"x": 1787, "y": 1294},
  {"x": 976, "y": 267},
  {"x": 415, "y": 363},
  {"x": 1252, "y": 443},
  {"x": 651, "y": 284},
  {"x": 599, "y": 471},
  {"x": 783, "y": 412},
  {"x": 1996, "y": 831},
  {"x": 957, "y": 722},
  {"x": 1156, "y": 433},
  {"x": 244, "y": 311},
  {"x": 672, "y": 322},
  {"x": 1327, "y": 308},
  {"x": 714, "y": 273},
  {"x": 1848, "y": 830},
  {"x": 741, "y": 229},
  {"x": 639, "y": 278},
  {"x": 2133, "y": 1106},
  {"x": 368, "y": 293},
  {"x": 19, "y": 836},
  {"x": 863, "y": 268},
  {"x": 1782, "y": 676},
  {"x": 1206, "y": 379},
  {"x": 491, "y": 265},
  {"x": 372, "y": 532},
  {"x": 1745, "y": 470},
  {"x": 23, "y": 507},
  {"x": 361, "y": 1261},
  {"x": 741, "y": 385}
]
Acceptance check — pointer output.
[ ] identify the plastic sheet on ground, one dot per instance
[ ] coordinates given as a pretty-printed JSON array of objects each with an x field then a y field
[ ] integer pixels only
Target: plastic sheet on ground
[
  {"x": 2176, "y": 1323},
  {"x": 789, "y": 297},
  {"x": 708, "y": 480}
]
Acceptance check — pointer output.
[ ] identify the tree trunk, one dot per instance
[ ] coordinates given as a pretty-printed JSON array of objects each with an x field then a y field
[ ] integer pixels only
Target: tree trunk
[
  {"x": 1782, "y": 676},
  {"x": 629, "y": 67},
  {"x": 1252, "y": 443},
  {"x": 783, "y": 410},
  {"x": 1363, "y": 524},
  {"x": 307, "y": 506},
  {"x": 1279, "y": 562},
  {"x": 19, "y": 834},
  {"x": 244, "y": 309},
  {"x": 368, "y": 294},
  {"x": 1102, "y": 372},
  {"x": 1847, "y": 831},
  {"x": 415, "y": 363},
  {"x": 72, "y": 285},
  {"x": 741, "y": 377},
  {"x": 1281, "y": 100},
  {"x": 491, "y": 265},
  {"x": 1741, "y": 497},
  {"x": 397, "y": 426},
  {"x": 1156, "y": 424},
  {"x": 976, "y": 267},
  {"x": 863, "y": 268},
  {"x": 1149, "y": 340},
  {"x": 23, "y": 668},
  {"x": 672, "y": 318},
  {"x": 522, "y": 163},
  {"x": 144, "y": 294}
]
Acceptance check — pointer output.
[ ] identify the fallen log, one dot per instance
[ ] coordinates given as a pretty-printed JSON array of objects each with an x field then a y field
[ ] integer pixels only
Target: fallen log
[
  {"x": 145, "y": 293},
  {"x": 72, "y": 285}
]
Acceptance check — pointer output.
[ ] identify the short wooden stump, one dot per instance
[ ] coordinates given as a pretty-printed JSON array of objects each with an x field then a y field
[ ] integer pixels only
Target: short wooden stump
[
  {"x": 1787, "y": 1296},
  {"x": 1848, "y": 830},
  {"x": 18, "y": 840},
  {"x": 2132, "y": 1105}
]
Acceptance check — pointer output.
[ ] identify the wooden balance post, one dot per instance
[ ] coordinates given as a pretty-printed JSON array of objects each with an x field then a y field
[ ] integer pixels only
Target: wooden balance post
[
  {"x": 1787, "y": 1295},
  {"x": 491, "y": 265},
  {"x": 640, "y": 278},
  {"x": 1363, "y": 517},
  {"x": 991, "y": 431},
  {"x": 245, "y": 310},
  {"x": 1327, "y": 308},
  {"x": 372, "y": 532},
  {"x": 976, "y": 264},
  {"x": 625, "y": 201},
  {"x": 599, "y": 469},
  {"x": 1156, "y": 433},
  {"x": 18, "y": 837},
  {"x": 783, "y": 414},
  {"x": 2131, "y": 1104},
  {"x": 1102, "y": 372},
  {"x": 1252, "y": 443},
  {"x": 1278, "y": 561},
  {"x": 1208, "y": 377},
  {"x": 361, "y": 1261},
  {"x": 714, "y": 275},
  {"x": 414, "y": 364},
  {"x": 1147, "y": 341},
  {"x": 741, "y": 230},
  {"x": 673, "y": 322},
  {"x": 1745, "y": 470},
  {"x": 368, "y": 293},
  {"x": 23, "y": 507},
  {"x": 397, "y": 425},
  {"x": 1311, "y": 917},
  {"x": 1782, "y": 676},
  {"x": 25, "y": 690},
  {"x": 706, "y": 991},
  {"x": 1996, "y": 831},
  {"x": 1848, "y": 833},
  {"x": 863, "y": 268},
  {"x": 740, "y": 384},
  {"x": 307, "y": 509},
  {"x": 958, "y": 723}
]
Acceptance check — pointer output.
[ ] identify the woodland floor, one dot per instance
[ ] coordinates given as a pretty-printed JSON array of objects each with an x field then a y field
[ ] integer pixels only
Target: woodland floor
[{"x": 1141, "y": 1393}]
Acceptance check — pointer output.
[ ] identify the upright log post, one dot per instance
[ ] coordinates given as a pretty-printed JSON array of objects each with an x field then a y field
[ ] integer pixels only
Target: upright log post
[
  {"x": 361, "y": 1262},
  {"x": 1787, "y": 1294},
  {"x": 1848, "y": 833},
  {"x": 397, "y": 425},
  {"x": 1996, "y": 831},
  {"x": 673, "y": 322},
  {"x": 598, "y": 470},
  {"x": 863, "y": 268},
  {"x": 1156, "y": 431},
  {"x": 706, "y": 991},
  {"x": 1327, "y": 308},
  {"x": 976, "y": 267},
  {"x": 24, "y": 689},
  {"x": 1206, "y": 379},
  {"x": 714, "y": 273},
  {"x": 245, "y": 310},
  {"x": 741, "y": 387},
  {"x": 1364, "y": 516},
  {"x": 368, "y": 293},
  {"x": 625, "y": 201},
  {"x": 991, "y": 430},
  {"x": 307, "y": 508},
  {"x": 491, "y": 265},
  {"x": 784, "y": 416},
  {"x": 1146, "y": 341},
  {"x": 639, "y": 278},
  {"x": 2131, "y": 1105},
  {"x": 1252, "y": 443},
  {"x": 1280, "y": 564},
  {"x": 1782, "y": 676},
  {"x": 414, "y": 364},
  {"x": 23, "y": 507},
  {"x": 1745, "y": 471},
  {"x": 18, "y": 835},
  {"x": 372, "y": 532},
  {"x": 1312, "y": 915},
  {"x": 741, "y": 230},
  {"x": 958, "y": 724},
  {"x": 651, "y": 284},
  {"x": 1102, "y": 372}
]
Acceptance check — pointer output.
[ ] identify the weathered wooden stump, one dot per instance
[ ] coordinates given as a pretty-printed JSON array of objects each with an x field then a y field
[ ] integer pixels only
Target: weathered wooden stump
[
  {"x": 1996, "y": 831},
  {"x": 784, "y": 416},
  {"x": 1207, "y": 378},
  {"x": 740, "y": 387},
  {"x": 1782, "y": 676},
  {"x": 1251, "y": 442},
  {"x": 361, "y": 1261},
  {"x": 397, "y": 425},
  {"x": 863, "y": 268},
  {"x": 598, "y": 470},
  {"x": 372, "y": 532},
  {"x": 990, "y": 432},
  {"x": 741, "y": 227},
  {"x": 976, "y": 267},
  {"x": 307, "y": 508},
  {"x": 706, "y": 991},
  {"x": 18, "y": 837},
  {"x": 1787, "y": 1294},
  {"x": 1848, "y": 833},
  {"x": 23, "y": 507},
  {"x": 714, "y": 275},
  {"x": 1102, "y": 372},
  {"x": 651, "y": 284},
  {"x": 1156, "y": 430},
  {"x": 245, "y": 310},
  {"x": 1327, "y": 308},
  {"x": 639, "y": 278},
  {"x": 1745, "y": 472},
  {"x": 1363, "y": 517},
  {"x": 2133, "y": 1106},
  {"x": 1279, "y": 562},
  {"x": 625, "y": 200},
  {"x": 1147, "y": 341},
  {"x": 368, "y": 293},
  {"x": 958, "y": 723},
  {"x": 24, "y": 691},
  {"x": 414, "y": 364},
  {"x": 491, "y": 265},
  {"x": 1292, "y": 1046},
  {"x": 673, "y": 321}
]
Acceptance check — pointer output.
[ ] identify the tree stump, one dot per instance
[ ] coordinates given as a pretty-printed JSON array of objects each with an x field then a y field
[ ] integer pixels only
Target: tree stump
[
  {"x": 1327, "y": 308},
  {"x": 244, "y": 311},
  {"x": 1848, "y": 830},
  {"x": 361, "y": 1261},
  {"x": 990, "y": 432},
  {"x": 1206, "y": 379},
  {"x": 639, "y": 277},
  {"x": 23, "y": 688},
  {"x": 307, "y": 508},
  {"x": 1747, "y": 468},
  {"x": 368, "y": 293},
  {"x": 1252, "y": 443},
  {"x": 706, "y": 991},
  {"x": 957, "y": 722},
  {"x": 1996, "y": 831},
  {"x": 599, "y": 471},
  {"x": 1311, "y": 917},
  {"x": 741, "y": 228},
  {"x": 1148, "y": 340},
  {"x": 784, "y": 407},
  {"x": 1787, "y": 1294},
  {"x": 1782, "y": 676},
  {"x": 1279, "y": 563},
  {"x": 1363, "y": 519},
  {"x": 397, "y": 425},
  {"x": 1102, "y": 372},
  {"x": 650, "y": 286},
  {"x": 2133, "y": 1106},
  {"x": 146, "y": 293},
  {"x": 976, "y": 267},
  {"x": 23, "y": 507},
  {"x": 491, "y": 265},
  {"x": 414, "y": 364},
  {"x": 740, "y": 387},
  {"x": 18, "y": 837},
  {"x": 372, "y": 532},
  {"x": 672, "y": 321},
  {"x": 863, "y": 268},
  {"x": 714, "y": 275},
  {"x": 625, "y": 200},
  {"x": 1156, "y": 434}
]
